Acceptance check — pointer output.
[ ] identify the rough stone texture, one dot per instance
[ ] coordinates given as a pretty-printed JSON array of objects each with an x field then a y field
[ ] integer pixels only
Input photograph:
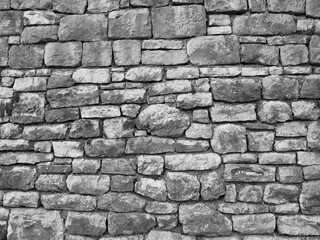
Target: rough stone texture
[
  {"x": 11, "y": 23},
  {"x": 299, "y": 225},
  {"x": 253, "y": 224},
  {"x": 63, "y": 54},
  {"x": 259, "y": 54},
  {"x": 309, "y": 198},
  {"x": 26, "y": 56}
]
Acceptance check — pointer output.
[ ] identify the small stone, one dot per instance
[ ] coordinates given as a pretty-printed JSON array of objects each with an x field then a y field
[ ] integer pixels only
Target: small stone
[
  {"x": 169, "y": 87},
  {"x": 182, "y": 186},
  {"x": 150, "y": 165},
  {"x": 277, "y": 158},
  {"x": 161, "y": 207},
  {"x": 185, "y": 146},
  {"x": 291, "y": 174},
  {"x": 213, "y": 50},
  {"x": 118, "y": 127},
  {"x": 254, "y": 224},
  {"x": 197, "y": 130},
  {"x": 30, "y": 84},
  {"x": 4, "y": 52},
  {"x": 101, "y": 6},
  {"x": 101, "y": 76},
  {"x": 278, "y": 87},
  {"x": 130, "y": 110},
  {"x": 100, "y": 147},
  {"x": 311, "y": 172},
  {"x": 131, "y": 23},
  {"x": 149, "y": 145},
  {"x": 298, "y": 225},
  {"x": 55, "y": 54},
  {"x": 17, "y": 177},
  {"x": 100, "y": 111},
  {"x": 155, "y": 189},
  {"x": 85, "y": 166},
  {"x": 144, "y": 74},
  {"x": 212, "y": 185},
  {"x": 67, "y": 149},
  {"x": 259, "y": 54},
  {"x": 62, "y": 115},
  {"x": 123, "y": 166},
  {"x": 291, "y": 129},
  {"x": 121, "y": 183},
  {"x": 314, "y": 49},
  {"x": 149, "y": 3},
  {"x": 279, "y": 193},
  {"x": 127, "y": 52},
  {"x": 45, "y": 132},
  {"x": 193, "y": 100},
  {"x": 287, "y": 208},
  {"x": 240, "y": 158},
  {"x": 26, "y": 56},
  {"x": 121, "y": 202},
  {"x": 123, "y": 96},
  {"x": 88, "y": 184},
  {"x": 39, "y": 18},
  {"x": 160, "y": 57},
  {"x": 294, "y": 55},
  {"x": 219, "y": 20},
  {"x": 153, "y": 44},
  {"x": 51, "y": 183},
  {"x": 73, "y": 6},
  {"x": 97, "y": 54},
  {"x": 257, "y": 6},
  {"x": 254, "y": 71},
  {"x": 242, "y": 208},
  {"x": 11, "y": 23},
  {"x": 217, "y": 6},
  {"x": 167, "y": 222},
  {"x": 60, "y": 78},
  {"x": 249, "y": 173},
  {"x": 274, "y": 111},
  {"x": 290, "y": 145},
  {"x": 229, "y": 138},
  {"x": 224, "y": 112},
  {"x": 230, "y": 193},
  {"x": 200, "y": 115},
  {"x": 286, "y": 6},
  {"x": 312, "y": 8},
  {"x": 84, "y": 128},
  {"x": 261, "y": 141},
  {"x": 250, "y": 193}
]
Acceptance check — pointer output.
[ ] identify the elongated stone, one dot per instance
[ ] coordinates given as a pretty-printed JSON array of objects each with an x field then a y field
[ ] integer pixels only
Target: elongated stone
[
  {"x": 97, "y": 75},
  {"x": 309, "y": 198},
  {"x": 11, "y": 23},
  {"x": 144, "y": 74},
  {"x": 88, "y": 184},
  {"x": 26, "y": 56},
  {"x": 280, "y": 193},
  {"x": 254, "y": 224},
  {"x": 39, "y": 34},
  {"x": 123, "y": 96},
  {"x": 217, "y": 6},
  {"x": 223, "y": 112},
  {"x": 21, "y": 199},
  {"x": 11, "y": 158},
  {"x": 249, "y": 173},
  {"x": 299, "y": 225},
  {"x": 67, "y": 149},
  {"x": 17, "y": 177},
  {"x": 45, "y": 132},
  {"x": 104, "y": 147}
]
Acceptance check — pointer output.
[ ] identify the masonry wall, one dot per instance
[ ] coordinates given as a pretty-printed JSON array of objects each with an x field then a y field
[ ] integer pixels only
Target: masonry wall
[{"x": 159, "y": 119}]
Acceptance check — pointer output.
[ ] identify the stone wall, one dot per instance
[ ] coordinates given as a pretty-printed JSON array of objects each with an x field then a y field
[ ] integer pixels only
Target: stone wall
[{"x": 160, "y": 119}]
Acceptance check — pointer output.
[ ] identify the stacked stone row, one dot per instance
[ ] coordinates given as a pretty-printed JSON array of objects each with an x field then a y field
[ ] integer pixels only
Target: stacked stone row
[{"x": 160, "y": 119}]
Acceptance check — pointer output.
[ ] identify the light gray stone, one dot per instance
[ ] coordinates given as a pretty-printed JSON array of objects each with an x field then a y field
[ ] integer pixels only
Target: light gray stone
[
  {"x": 88, "y": 184},
  {"x": 275, "y": 193},
  {"x": 38, "y": 17},
  {"x": 294, "y": 54},
  {"x": 224, "y": 112},
  {"x": 100, "y": 147},
  {"x": 67, "y": 149},
  {"x": 254, "y": 224},
  {"x": 150, "y": 164},
  {"x": 123, "y": 96},
  {"x": 155, "y": 189},
  {"x": 102, "y": 6},
  {"x": 127, "y": 52},
  {"x": 299, "y": 225},
  {"x": 160, "y": 57},
  {"x": 118, "y": 127},
  {"x": 96, "y": 75},
  {"x": 71, "y": 6},
  {"x": 15, "y": 199},
  {"x": 287, "y": 6},
  {"x": 259, "y": 54},
  {"x": 144, "y": 74},
  {"x": 249, "y": 173},
  {"x": 63, "y": 54},
  {"x": 11, "y": 23},
  {"x": 274, "y": 111}
]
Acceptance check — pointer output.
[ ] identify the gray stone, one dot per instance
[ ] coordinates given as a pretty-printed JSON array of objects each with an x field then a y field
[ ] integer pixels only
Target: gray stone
[
  {"x": 193, "y": 217},
  {"x": 279, "y": 193},
  {"x": 274, "y": 111},
  {"x": 155, "y": 189},
  {"x": 289, "y": 208},
  {"x": 310, "y": 87},
  {"x": 291, "y": 129},
  {"x": 217, "y": 6},
  {"x": 84, "y": 128},
  {"x": 67, "y": 149},
  {"x": 294, "y": 55},
  {"x": 123, "y": 166},
  {"x": 213, "y": 50},
  {"x": 51, "y": 183},
  {"x": 290, "y": 174},
  {"x": 11, "y": 158},
  {"x": 127, "y": 52},
  {"x": 4, "y": 52},
  {"x": 106, "y": 111},
  {"x": 187, "y": 145},
  {"x": 39, "y": 34},
  {"x": 32, "y": 4},
  {"x": 150, "y": 164},
  {"x": 121, "y": 202},
  {"x": 153, "y": 44},
  {"x": 257, "y": 6},
  {"x": 73, "y": 6},
  {"x": 37, "y": 17},
  {"x": 264, "y": 24},
  {"x": 121, "y": 183},
  {"x": 198, "y": 130},
  {"x": 132, "y": 23},
  {"x": 249, "y": 173},
  {"x": 26, "y": 56},
  {"x": 144, "y": 74},
  {"x": 83, "y": 27},
  {"x": 60, "y": 78},
  {"x": 169, "y": 87},
  {"x": 130, "y": 223},
  {"x": 278, "y": 87},
  {"x": 97, "y": 75},
  {"x": 30, "y": 84},
  {"x": 306, "y": 110},
  {"x": 46, "y": 225},
  {"x": 314, "y": 49},
  {"x": 15, "y": 145},
  {"x": 118, "y": 127},
  {"x": 130, "y": 110},
  {"x": 287, "y": 6},
  {"x": 229, "y": 138},
  {"x": 194, "y": 100},
  {"x": 55, "y": 54},
  {"x": 149, "y": 3},
  {"x": 161, "y": 207},
  {"x": 182, "y": 186},
  {"x": 260, "y": 141},
  {"x": 224, "y": 112},
  {"x": 168, "y": 57},
  {"x": 17, "y": 177},
  {"x": 254, "y": 224},
  {"x": 45, "y": 132},
  {"x": 313, "y": 8},
  {"x": 259, "y": 54},
  {"x": 85, "y": 165},
  {"x": 309, "y": 197},
  {"x": 123, "y": 96},
  {"x": 97, "y": 54},
  {"x": 21, "y": 199},
  {"x": 149, "y": 145},
  {"x": 250, "y": 193},
  {"x": 11, "y": 23},
  {"x": 240, "y": 158},
  {"x": 88, "y": 184},
  {"x": 62, "y": 115},
  {"x": 163, "y": 120},
  {"x": 277, "y": 158},
  {"x": 212, "y": 185},
  {"x": 242, "y": 208},
  {"x": 284, "y": 145},
  {"x": 178, "y": 21},
  {"x": 299, "y": 225},
  {"x": 100, "y": 147},
  {"x": 74, "y": 96},
  {"x": 102, "y": 6},
  {"x": 308, "y": 158}
]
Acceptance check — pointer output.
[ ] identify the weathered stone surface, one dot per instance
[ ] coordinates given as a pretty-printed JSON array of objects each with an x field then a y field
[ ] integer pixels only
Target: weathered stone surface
[
  {"x": 291, "y": 129},
  {"x": 39, "y": 34},
  {"x": 194, "y": 100},
  {"x": 101, "y": 6},
  {"x": 312, "y": 8},
  {"x": 6, "y": 110},
  {"x": 11, "y": 158},
  {"x": 26, "y": 56},
  {"x": 274, "y": 111},
  {"x": 212, "y": 185},
  {"x": 11, "y": 23},
  {"x": 65, "y": 201},
  {"x": 277, "y": 87},
  {"x": 73, "y": 6},
  {"x": 286, "y": 6},
  {"x": 21, "y": 199},
  {"x": 290, "y": 174},
  {"x": 100, "y": 147},
  {"x": 15, "y": 145},
  {"x": 30, "y": 84},
  {"x": 121, "y": 202},
  {"x": 51, "y": 183},
  {"x": 168, "y": 57},
  {"x": 214, "y": 50},
  {"x": 313, "y": 135},
  {"x": 198, "y": 130},
  {"x": 236, "y": 90},
  {"x": 277, "y": 158},
  {"x": 60, "y": 78},
  {"x": 4, "y": 52},
  {"x": 123, "y": 96},
  {"x": 90, "y": 224},
  {"x": 242, "y": 208},
  {"x": 264, "y": 24},
  {"x": 121, "y": 183},
  {"x": 278, "y": 193},
  {"x": 149, "y": 3},
  {"x": 163, "y": 120},
  {"x": 254, "y": 224},
  {"x": 290, "y": 145},
  {"x": 32, "y": 4},
  {"x": 61, "y": 115},
  {"x": 240, "y": 158},
  {"x": 63, "y": 54},
  {"x": 309, "y": 198},
  {"x": 299, "y": 225},
  {"x": 229, "y": 138},
  {"x": 182, "y": 186},
  {"x": 310, "y": 87},
  {"x": 161, "y": 207},
  {"x": 161, "y": 235},
  {"x": 294, "y": 55},
  {"x": 155, "y": 189},
  {"x": 260, "y": 141},
  {"x": 186, "y": 145},
  {"x": 97, "y": 75},
  {"x": 17, "y": 177},
  {"x": 37, "y": 17},
  {"x": 217, "y": 6},
  {"x": 169, "y": 87},
  {"x": 250, "y": 193},
  {"x": 224, "y": 112},
  {"x": 150, "y": 165},
  {"x": 305, "y": 110},
  {"x": 45, "y": 132},
  {"x": 144, "y": 74},
  {"x": 259, "y": 54},
  {"x": 133, "y": 23},
  {"x": 127, "y": 52},
  {"x": 129, "y": 223},
  {"x": 178, "y": 21},
  {"x": 97, "y": 54},
  {"x": 84, "y": 128},
  {"x": 200, "y": 219},
  {"x": 45, "y": 224},
  {"x": 123, "y": 166},
  {"x": 73, "y": 96},
  {"x": 314, "y": 49},
  {"x": 88, "y": 184},
  {"x": 85, "y": 165},
  {"x": 249, "y": 173},
  {"x": 118, "y": 127},
  {"x": 83, "y": 27},
  {"x": 106, "y": 111}
]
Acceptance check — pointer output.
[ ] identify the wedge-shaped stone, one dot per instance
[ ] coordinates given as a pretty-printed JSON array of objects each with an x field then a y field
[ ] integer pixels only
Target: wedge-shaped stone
[
  {"x": 299, "y": 225},
  {"x": 17, "y": 177},
  {"x": 274, "y": 111},
  {"x": 26, "y": 56},
  {"x": 123, "y": 96},
  {"x": 249, "y": 173},
  {"x": 74, "y": 96},
  {"x": 45, "y": 132},
  {"x": 67, "y": 149},
  {"x": 97, "y": 75},
  {"x": 130, "y": 223},
  {"x": 279, "y": 87},
  {"x": 21, "y": 199},
  {"x": 105, "y": 147},
  {"x": 170, "y": 87},
  {"x": 11, "y": 23},
  {"x": 88, "y": 184},
  {"x": 132, "y": 23},
  {"x": 85, "y": 27},
  {"x": 63, "y": 54},
  {"x": 309, "y": 198},
  {"x": 218, "y": 6},
  {"x": 259, "y": 54},
  {"x": 214, "y": 50},
  {"x": 194, "y": 162},
  {"x": 178, "y": 21},
  {"x": 70, "y": 202},
  {"x": 224, "y": 112},
  {"x": 236, "y": 90},
  {"x": 155, "y": 189},
  {"x": 193, "y": 216},
  {"x": 310, "y": 87},
  {"x": 254, "y": 224},
  {"x": 46, "y": 225},
  {"x": 163, "y": 120},
  {"x": 11, "y": 158},
  {"x": 279, "y": 193},
  {"x": 264, "y": 24},
  {"x": 144, "y": 74}
]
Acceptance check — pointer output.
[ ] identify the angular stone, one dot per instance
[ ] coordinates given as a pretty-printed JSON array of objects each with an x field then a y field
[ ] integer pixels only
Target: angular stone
[
  {"x": 17, "y": 177},
  {"x": 259, "y": 54},
  {"x": 217, "y": 6},
  {"x": 87, "y": 27},
  {"x": 155, "y": 189},
  {"x": 192, "y": 162},
  {"x": 161, "y": 207},
  {"x": 278, "y": 193},
  {"x": 60, "y": 78},
  {"x": 264, "y": 24},
  {"x": 240, "y": 158},
  {"x": 294, "y": 55},
  {"x": 123, "y": 166},
  {"x": 101, "y": 6},
  {"x": 21, "y": 199},
  {"x": 212, "y": 185},
  {"x": 32, "y": 4},
  {"x": 291, "y": 174},
  {"x": 314, "y": 49},
  {"x": 127, "y": 52},
  {"x": 97, "y": 75},
  {"x": 129, "y": 223},
  {"x": 169, "y": 87},
  {"x": 30, "y": 84},
  {"x": 84, "y": 128},
  {"x": 224, "y": 112},
  {"x": 250, "y": 193},
  {"x": 299, "y": 225},
  {"x": 260, "y": 141},
  {"x": 291, "y": 129},
  {"x": 90, "y": 224},
  {"x": 74, "y": 96},
  {"x": 121, "y": 183},
  {"x": 149, "y": 3},
  {"x": 85, "y": 166},
  {"x": 242, "y": 208},
  {"x": 182, "y": 186},
  {"x": 236, "y": 90},
  {"x": 186, "y": 146},
  {"x": 51, "y": 183},
  {"x": 149, "y": 145},
  {"x": 63, "y": 54},
  {"x": 308, "y": 158},
  {"x": 289, "y": 208},
  {"x": 132, "y": 23},
  {"x": 121, "y": 202},
  {"x": 161, "y": 44},
  {"x": 150, "y": 165},
  {"x": 178, "y": 21},
  {"x": 62, "y": 115},
  {"x": 214, "y": 50},
  {"x": 144, "y": 74},
  {"x": 313, "y": 135},
  {"x": 249, "y": 173},
  {"x": 193, "y": 100},
  {"x": 163, "y": 120},
  {"x": 100, "y": 111},
  {"x": 39, "y": 18},
  {"x": 305, "y": 110},
  {"x": 200, "y": 115},
  {"x": 26, "y": 56},
  {"x": 254, "y": 224},
  {"x": 229, "y": 138},
  {"x": 277, "y": 87},
  {"x": 197, "y": 130},
  {"x": 97, "y": 54},
  {"x": 73, "y": 6},
  {"x": 309, "y": 197},
  {"x": 257, "y": 6},
  {"x": 67, "y": 149},
  {"x": 313, "y": 8},
  {"x": 168, "y": 57},
  {"x": 88, "y": 184},
  {"x": 285, "y": 145},
  {"x": 277, "y": 158},
  {"x": 4, "y": 52},
  {"x": 39, "y": 34},
  {"x": 46, "y": 225},
  {"x": 286, "y": 6},
  {"x": 310, "y": 87},
  {"x": 118, "y": 127},
  {"x": 193, "y": 216},
  {"x": 11, "y": 23},
  {"x": 274, "y": 111},
  {"x": 104, "y": 147},
  {"x": 45, "y": 132},
  {"x": 11, "y": 158},
  {"x": 123, "y": 96},
  {"x": 15, "y": 145}
]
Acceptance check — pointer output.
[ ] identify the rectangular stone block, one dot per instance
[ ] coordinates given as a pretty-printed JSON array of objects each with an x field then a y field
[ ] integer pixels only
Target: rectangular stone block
[
  {"x": 259, "y": 54},
  {"x": 168, "y": 57},
  {"x": 26, "y": 56},
  {"x": 249, "y": 173},
  {"x": 4, "y": 52},
  {"x": 11, "y": 23},
  {"x": 297, "y": 7},
  {"x": 63, "y": 54},
  {"x": 224, "y": 112},
  {"x": 225, "y": 5},
  {"x": 97, "y": 54}
]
